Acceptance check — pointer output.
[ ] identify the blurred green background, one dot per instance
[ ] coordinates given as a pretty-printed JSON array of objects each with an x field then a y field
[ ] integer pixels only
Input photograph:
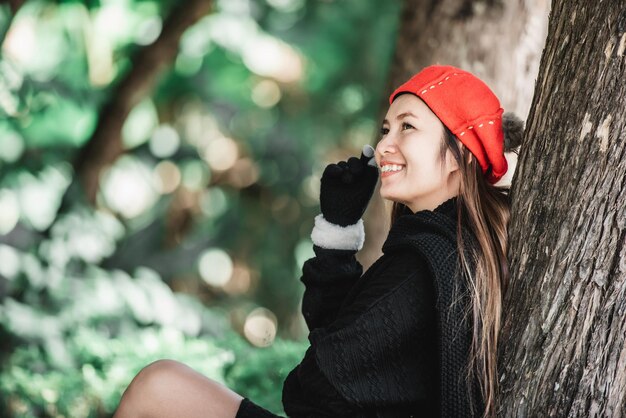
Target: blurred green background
[{"x": 204, "y": 185}]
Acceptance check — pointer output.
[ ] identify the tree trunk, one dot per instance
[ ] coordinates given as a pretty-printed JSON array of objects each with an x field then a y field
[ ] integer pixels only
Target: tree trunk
[
  {"x": 563, "y": 341},
  {"x": 105, "y": 145},
  {"x": 499, "y": 41}
]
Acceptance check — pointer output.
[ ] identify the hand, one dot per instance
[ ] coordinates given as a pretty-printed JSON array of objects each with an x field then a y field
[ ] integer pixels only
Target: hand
[{"x": 347, "y": 187}]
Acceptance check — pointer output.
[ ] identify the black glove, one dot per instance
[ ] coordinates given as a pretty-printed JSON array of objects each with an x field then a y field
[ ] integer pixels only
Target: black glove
[{"x": 347, "y": 187}]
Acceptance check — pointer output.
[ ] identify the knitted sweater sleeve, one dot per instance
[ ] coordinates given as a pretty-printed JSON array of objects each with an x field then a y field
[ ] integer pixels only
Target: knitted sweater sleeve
[
  {"x": 328, "y": 277},
  {"x": 378, "y": 356},
  {"x": 386, "y": 357}
]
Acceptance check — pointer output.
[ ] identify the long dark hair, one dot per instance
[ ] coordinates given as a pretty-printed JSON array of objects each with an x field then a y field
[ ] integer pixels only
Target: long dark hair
[{"x": 486, "y": 208}]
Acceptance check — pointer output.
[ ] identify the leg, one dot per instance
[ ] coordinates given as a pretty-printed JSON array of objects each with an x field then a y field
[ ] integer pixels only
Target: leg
[{"x": 167, "y": 388}]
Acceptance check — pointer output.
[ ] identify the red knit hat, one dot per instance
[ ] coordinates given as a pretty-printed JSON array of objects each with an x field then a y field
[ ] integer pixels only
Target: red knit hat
[{"x": 468, "y": 108}]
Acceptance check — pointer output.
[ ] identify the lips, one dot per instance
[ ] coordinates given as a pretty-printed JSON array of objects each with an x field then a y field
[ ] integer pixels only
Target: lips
[{"x": 391, "y": 169}]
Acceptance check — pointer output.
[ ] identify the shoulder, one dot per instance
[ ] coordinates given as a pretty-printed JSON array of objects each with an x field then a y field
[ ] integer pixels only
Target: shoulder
[{"x": 431, "y": 235}]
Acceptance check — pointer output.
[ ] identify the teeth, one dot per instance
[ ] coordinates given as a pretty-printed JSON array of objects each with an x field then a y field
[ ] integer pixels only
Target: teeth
[{"x": 391, "y": 167}]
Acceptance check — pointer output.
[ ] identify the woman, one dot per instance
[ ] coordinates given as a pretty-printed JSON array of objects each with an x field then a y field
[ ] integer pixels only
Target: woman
[{"x": 416, "y": 335}]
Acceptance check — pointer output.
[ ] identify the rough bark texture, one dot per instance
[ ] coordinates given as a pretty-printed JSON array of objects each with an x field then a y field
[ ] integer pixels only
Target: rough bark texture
[
  {"x": 105, "y": 144},
  {"x": 563, "y": 341},
  {"x": 499, "y": 41}
]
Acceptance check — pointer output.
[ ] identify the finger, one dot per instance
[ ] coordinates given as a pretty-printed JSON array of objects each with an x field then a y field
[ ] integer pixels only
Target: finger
[
  {"x": 367, "y": 156},
  {"x": 355, "y": 165},
  {"x": 347, "y": 177},
  {"x": 332, "y": 170},
  {"x": 368, "y": 151}
]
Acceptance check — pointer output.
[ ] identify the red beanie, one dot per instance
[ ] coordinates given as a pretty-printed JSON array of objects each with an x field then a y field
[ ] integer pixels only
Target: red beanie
[{"x": 468, "y": 108}]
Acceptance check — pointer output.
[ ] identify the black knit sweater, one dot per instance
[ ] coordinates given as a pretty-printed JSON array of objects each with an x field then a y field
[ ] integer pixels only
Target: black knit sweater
[{"x": 379, "y": 347}]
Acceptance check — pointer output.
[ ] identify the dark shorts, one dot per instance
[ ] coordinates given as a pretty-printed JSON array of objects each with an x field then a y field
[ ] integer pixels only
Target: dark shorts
[{"x": 248, "y": 409}]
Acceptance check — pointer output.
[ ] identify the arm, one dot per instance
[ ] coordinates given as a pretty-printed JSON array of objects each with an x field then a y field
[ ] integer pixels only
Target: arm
[
  {"x": 328, "y": 277},
  {"x": 381, "y": 359},
  {"x": 338, "y": 234},
  {"x": 385, "y": 358}
]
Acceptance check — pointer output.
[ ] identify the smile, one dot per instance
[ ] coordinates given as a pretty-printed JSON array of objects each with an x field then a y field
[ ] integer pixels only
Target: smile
[{"x": 390, "y": 169}]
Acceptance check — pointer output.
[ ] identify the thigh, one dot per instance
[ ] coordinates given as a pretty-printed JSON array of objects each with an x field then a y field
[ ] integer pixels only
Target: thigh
[{"x": 167, "y": 388}]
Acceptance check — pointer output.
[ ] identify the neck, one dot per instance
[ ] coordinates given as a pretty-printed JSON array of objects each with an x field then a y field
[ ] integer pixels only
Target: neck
[{"x": 431, "y": 204}]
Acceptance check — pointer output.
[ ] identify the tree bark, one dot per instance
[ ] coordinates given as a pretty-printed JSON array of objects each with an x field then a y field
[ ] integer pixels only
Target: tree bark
[
  {"x": 563, "y": 340},
  {"x": 499, "y": 41},
  {"x": 105, "y": 145}
]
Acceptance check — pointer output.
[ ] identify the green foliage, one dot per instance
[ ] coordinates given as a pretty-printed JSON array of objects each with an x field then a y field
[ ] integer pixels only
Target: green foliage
[
  {"x": 223, "y": 157},
  {"x": 257, "y": 373},
  {"x": 106, "y": 365},
  {"x": 84, "y": 336}
]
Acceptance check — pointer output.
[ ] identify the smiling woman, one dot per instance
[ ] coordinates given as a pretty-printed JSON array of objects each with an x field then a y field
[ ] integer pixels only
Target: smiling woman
[{"x": 416, "y": 334}]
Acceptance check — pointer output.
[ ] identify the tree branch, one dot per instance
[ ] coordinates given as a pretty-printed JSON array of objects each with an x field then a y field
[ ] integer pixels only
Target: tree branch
[
  {"x": 105, "y": 145},
  {"x": 14, "y": 6}
]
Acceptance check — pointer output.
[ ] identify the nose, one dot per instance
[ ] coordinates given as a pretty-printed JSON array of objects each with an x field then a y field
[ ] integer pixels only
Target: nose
[{"x": 387, "y": 145}]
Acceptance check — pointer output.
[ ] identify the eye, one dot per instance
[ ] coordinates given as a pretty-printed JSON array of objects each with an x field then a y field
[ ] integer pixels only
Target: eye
[
  {"x": 384, "y": 131},
  {"x": 407, "y": 126}
]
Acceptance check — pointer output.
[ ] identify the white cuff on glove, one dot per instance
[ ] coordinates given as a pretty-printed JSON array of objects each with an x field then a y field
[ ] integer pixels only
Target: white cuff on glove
[{"x": 336, "y": 237}]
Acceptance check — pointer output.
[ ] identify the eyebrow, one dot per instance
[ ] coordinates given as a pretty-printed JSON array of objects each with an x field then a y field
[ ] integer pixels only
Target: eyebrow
[{"x": 401, "y": 116}]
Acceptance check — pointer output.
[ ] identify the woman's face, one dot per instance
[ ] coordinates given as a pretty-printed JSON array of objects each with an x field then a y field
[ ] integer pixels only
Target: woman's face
[{"x": 410, "y": 145}]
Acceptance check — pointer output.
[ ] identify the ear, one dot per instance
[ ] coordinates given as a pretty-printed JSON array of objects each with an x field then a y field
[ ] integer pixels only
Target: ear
[{"x": 451, "y": 162}]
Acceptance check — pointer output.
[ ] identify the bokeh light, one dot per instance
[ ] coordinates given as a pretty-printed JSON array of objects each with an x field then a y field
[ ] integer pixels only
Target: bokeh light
[
  {"x": 260, "y": 327},
  {"x": 196, "y": 41},
  {"x": 140, "y": 124},
  {"x": 244, "y": 173},
  {"x": 195, "y": 174},
  {"x": 26, "y": 40},
  {"x": 311, "y": 188},
  {"x": 187, "y": 65},
  {"x": 266, "y": 93},
  {"x": 167, "y": 177},
  {"x": 197, "y": 124},
  {"x": 10, "y": 213},
  {"x": 215, "y": 267},
  {"x": 240, "y": 281},
  {"x": 213, "y": 202},
  {"x": 12, "y": 146},
  {"x": 352, "y": 98},
  {"x": 270, "y": 57},
  {"x": 148, "y": 30},
  {"x": 286, "y": 6},
  {"x": 39, "y": 196},
  {"x": 164, "y": 142},
  {"x": 127, "y": 187},
  {"x": 9, "y": 261},
  {"x": 221, "y": 153}
]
